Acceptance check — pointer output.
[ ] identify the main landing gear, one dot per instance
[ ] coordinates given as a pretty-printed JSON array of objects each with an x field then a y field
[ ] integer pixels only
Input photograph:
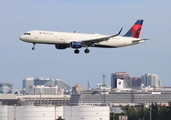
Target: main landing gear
[
  {"x": 77, "y": 51},
  {"x": 86, "y": 50},
  {"x": 33, "y": 48}
]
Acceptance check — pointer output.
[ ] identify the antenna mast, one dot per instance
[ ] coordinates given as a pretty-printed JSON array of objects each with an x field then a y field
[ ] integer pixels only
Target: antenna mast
[
  {"x": 104, "y": 76},
  {"x": 88, "y": 85}
]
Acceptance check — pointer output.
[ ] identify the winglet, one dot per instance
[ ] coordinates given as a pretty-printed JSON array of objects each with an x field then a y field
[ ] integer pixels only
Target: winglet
[
  {"x": 120, "y": 31},
  {"x": 117, "y": 33}
]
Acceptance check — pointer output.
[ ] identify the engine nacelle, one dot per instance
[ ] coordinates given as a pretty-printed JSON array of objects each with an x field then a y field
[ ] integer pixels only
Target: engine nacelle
[
  {"x": 60, "y": 46},
  {"x": 76, "y": 44}
]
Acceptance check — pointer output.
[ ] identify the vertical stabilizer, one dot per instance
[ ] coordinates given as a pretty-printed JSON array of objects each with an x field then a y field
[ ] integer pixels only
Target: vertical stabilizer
[{"x": 135, "y": 30}]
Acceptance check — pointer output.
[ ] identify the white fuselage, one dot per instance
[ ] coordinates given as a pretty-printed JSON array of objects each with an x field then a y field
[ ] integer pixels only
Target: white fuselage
[{"x": 49, "y": 37}]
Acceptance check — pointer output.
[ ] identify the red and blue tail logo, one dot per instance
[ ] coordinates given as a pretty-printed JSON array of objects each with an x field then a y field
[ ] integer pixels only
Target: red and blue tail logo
[{"x": 135, "y": 30}]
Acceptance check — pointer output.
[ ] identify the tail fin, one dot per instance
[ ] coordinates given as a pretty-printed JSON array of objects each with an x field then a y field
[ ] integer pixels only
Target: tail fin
[{"x": 135, "y": 30}]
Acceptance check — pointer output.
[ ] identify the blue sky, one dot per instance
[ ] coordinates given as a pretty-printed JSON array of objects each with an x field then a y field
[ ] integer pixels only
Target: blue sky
[{"x": 18, "y": 61}]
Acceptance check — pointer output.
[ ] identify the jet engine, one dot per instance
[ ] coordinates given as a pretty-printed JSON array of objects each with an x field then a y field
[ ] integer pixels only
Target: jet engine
[
  {"x": 76, "y": 44},
  {"x": 60, "y": 46}
]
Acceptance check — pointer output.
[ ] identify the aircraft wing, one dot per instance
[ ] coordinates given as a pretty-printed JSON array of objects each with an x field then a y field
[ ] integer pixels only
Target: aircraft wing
[
  {"x": 139, "y": 40},
  {"x": 92, "y": 41}
]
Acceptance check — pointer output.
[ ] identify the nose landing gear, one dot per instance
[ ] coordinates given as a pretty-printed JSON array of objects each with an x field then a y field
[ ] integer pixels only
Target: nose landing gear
[{"x": 33, "y": 48}]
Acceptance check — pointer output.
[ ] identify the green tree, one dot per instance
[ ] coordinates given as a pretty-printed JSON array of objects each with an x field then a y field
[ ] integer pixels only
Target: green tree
[
  {"x": 115, "y": 116},
  {"x": 142, "y": 113},
  {"x": 162, "y": 114},
  {"x": 131, "y": 112},
  {"x": 169, "y": 110},
  {"x": 155, "y": 111},
  {"x": 158, "y": 112}
]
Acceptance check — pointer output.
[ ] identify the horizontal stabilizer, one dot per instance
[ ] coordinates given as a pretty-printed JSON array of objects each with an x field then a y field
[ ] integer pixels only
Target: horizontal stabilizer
[{"x": 140, "y": 40}]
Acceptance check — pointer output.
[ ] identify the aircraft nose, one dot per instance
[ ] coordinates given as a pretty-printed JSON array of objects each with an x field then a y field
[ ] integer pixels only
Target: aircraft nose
[{"x": 21, "y": 37}]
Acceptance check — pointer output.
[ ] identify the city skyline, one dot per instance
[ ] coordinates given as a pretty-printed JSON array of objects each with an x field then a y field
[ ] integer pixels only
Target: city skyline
[
  {"x": 130, "y": 81},
  {"x": 18, "y": 61}
]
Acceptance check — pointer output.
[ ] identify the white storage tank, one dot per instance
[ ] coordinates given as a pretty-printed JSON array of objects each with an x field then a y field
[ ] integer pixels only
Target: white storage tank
[
  {"x": 87, "y": 113},
  {"x": 34, "y": 113},
  {"x": 3, "y": 112},
  {"x": 67, "y": 112}
]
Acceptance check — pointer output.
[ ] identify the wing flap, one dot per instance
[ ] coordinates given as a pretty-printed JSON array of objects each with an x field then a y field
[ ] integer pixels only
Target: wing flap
[{"x": 92, "y": 41}]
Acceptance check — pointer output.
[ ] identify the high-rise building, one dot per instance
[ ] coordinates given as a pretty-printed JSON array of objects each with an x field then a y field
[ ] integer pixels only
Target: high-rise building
[
  {"x": 77, "y": 89},
  {"x": 150, "y": 79},
  {"x": 6, "y": 88},
  {"x": 29, "y": 83},
  {"x": 121, "y": 75},
  {"x": 119, "y": 84},
  {"x": 136, "y": 82},
  {"x": 6, "y": 84},
  {"x": 46, "y": 90}
]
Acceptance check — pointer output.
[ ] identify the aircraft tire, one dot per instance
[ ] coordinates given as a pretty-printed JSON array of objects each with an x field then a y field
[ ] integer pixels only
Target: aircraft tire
[
  {"x": 86, "y": 50},
  {"x": 33, "y": 48},
  {"x": 76, "y": 51}
]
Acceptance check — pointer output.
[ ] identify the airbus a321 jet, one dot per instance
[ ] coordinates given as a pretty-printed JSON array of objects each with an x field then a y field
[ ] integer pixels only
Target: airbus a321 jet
[{"x": 63, "y": 40}]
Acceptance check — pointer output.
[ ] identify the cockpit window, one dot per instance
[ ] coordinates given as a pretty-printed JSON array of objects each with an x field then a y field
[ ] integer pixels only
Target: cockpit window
[{"x": 27, "y": 33}]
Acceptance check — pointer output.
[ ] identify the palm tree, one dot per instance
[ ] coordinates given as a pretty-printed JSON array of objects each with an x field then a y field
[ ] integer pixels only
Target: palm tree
[{"x": 60, "y": 118}]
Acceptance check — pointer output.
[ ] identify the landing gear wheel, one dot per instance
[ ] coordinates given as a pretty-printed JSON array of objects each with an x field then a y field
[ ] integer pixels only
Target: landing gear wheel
[
  {"x": 33, "y": 48},
  {"x": 76, "y": 51},
  {"x": 86, "y": 50}
]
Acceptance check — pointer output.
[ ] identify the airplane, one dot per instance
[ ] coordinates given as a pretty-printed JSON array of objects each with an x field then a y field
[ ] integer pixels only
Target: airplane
[{"x": 63, "y": 40}]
